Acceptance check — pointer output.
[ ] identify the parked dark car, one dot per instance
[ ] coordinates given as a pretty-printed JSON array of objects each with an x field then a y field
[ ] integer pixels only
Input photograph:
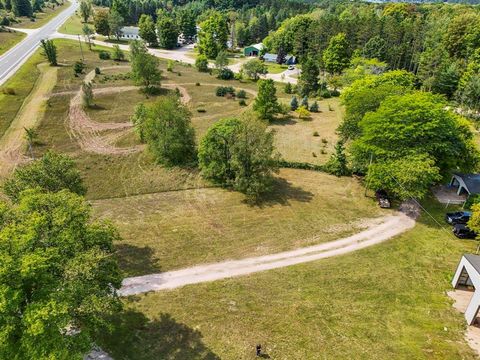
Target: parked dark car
[
  {"x": 458, "y": 217},
  {"x": 382, "y": 198},
  {"x": 462, "y": 231}
]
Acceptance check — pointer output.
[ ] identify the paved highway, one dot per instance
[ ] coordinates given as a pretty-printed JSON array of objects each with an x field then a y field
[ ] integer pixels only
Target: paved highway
[{"x": 16, "y": 56}]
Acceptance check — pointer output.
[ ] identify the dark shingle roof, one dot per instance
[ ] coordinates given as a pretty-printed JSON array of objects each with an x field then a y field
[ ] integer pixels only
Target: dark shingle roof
[
  {"x": 472, "y": 181},
  {"x": 474, "y": 260}
]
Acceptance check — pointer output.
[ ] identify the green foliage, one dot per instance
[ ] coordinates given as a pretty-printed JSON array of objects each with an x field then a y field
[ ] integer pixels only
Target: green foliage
[
  {"x": 226, "y": 74},
  {"x": 241, "y": 94},
  {"x": 87, "y": 94},
  {"x": 474, "y": 222},
  {"x": 266, "y": 103},
  {"x": 22, "y": 8},
  {"x": 375, "y": 48},
  {"x": 138, "y": 119},
  {"x": 213, "y": 36},
  {"x": 100, "y": 22},
  {"x": 170, "y": 65},
  {"x": 78, "y": 67},
  {"x": 254, "y": 68},
  {"x": 115, "y": 23},
  {"x": 361, "y": 67},
  {"x": 49, "y": 51},
  {"x": 336, "y": 56},
  {"x": 167, "y": 32},
  {"x": 288, "y": 88},
  {"x": 58, "y": 276},
  {"x": 187, "y": 24},
  {"x": 303, "y": 113},
  {"x": 52, "y": 172},
  {"x": 85, "y": 10},
  {"x": 305, "y": 102},
  {"x": 221, "y": 61},
  {"x": 314, "y": 107},
  {"x": 224, "y": 90},
  {"x": 415, "y": 124},
  {"x": 147, "y": 31},
  {"x": 404, "y": 178},
  {"x": 201, "y": 63},
  {"x": 337, "y": 164},
  {"x": 104, "y": 55},
  {"x": 168, "y": 132},
  {"x": 239, "y": 154},
  {"x": 117, "y": 54},
  {"x": 366, "y": 95},
  {"x": 309, "y": 76},
  {"x": 145, "y": 69},
  {"x": 294, "y": 103}
]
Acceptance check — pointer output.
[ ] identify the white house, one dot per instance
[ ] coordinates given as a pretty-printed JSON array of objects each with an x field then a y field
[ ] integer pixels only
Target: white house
[{"x": 130, "y": 33}]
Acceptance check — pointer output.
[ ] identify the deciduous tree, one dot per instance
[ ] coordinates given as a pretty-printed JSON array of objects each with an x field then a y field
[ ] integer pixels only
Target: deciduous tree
[
  {"x": 147, "y": 31},
  {"x": 145, "y": 70},
  {"x": 266, "y": 103}
]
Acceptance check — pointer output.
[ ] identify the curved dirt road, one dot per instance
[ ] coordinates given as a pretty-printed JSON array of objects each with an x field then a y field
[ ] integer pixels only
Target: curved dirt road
[{"x": 390, "y": 226}]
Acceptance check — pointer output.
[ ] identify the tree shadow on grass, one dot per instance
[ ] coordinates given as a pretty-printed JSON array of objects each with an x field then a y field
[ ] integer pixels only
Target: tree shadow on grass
[
  {"x": 135, "y": 337},
  {"x": 282, "y": 192},
  {"x": 135, "y": 260},
  {"x": 284, "y": 120}
]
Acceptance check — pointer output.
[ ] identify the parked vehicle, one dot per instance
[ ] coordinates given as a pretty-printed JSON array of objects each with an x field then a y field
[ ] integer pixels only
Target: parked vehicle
[
  {"x": 382, "y": 198},
  {"x": 458, "y": 217},
  {"x": 462, "y": 231},
  {"x": 291, "y": 67}
]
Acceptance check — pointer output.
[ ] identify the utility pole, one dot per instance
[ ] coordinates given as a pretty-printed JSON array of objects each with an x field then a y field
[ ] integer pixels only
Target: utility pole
[{"x": 81, "y": 50}]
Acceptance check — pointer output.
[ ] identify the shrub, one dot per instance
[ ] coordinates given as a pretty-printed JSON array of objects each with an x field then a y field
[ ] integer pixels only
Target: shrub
[
  {"x": 201, "y": 110},
  {"x": 170, "y": 65},
  {"x": 472, "y": 200},
  {"x": 325, "y": 141},
  {"x": 201, "y": 63},
  {"x": 325, "y": 94},
  {"x": 315, "y": 133},
  {"x": 8, "y": 91},
  {"x": 241, "y": 94},
  {"x": 330, "y": 107},
  {"x": 242, "y": 102},
  {"x": 104, "y": 55},
  {"x": 97, "y": 71},
  {"x": 335, "y": 93},
  {"x": 305, "y": 102},
  {"x": 78, "y": 67},
  {"x": 226, "y": 74},
  {"x": 197, "y": 84},
  {"x": 314, "y": 107},
  {"x": 288, "y": 88},
  {"x": 303, "y": 113},
  {"x": 224, "y": 90},
  {"x": 294, "y": 103}
]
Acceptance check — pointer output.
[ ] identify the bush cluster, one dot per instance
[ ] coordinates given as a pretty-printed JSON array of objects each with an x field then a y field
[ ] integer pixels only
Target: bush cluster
[{"x": 225, "y": 90}]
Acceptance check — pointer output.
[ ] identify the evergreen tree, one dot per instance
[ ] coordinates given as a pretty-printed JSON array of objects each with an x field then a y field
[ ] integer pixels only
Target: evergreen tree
[
  {"x": 22, "y": 8},
  {"x": 309, "y": 76},
  {"x": 50, "y": 51},
  {"x": 294, "y": 103}
]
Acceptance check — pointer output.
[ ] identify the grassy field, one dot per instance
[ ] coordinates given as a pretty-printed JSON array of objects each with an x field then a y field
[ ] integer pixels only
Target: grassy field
[
  {"x": 74, "y": 25},
  {"x": 41, "y": 18},
  {"x": 384, "y": 302},
  {"x": 8, "y": 39},
  {"x": 275, "y": 68},
  {"x": 310, "y": 140},
  {"x": 21, "y": 84},
  {"x": 184, "y": 228}
]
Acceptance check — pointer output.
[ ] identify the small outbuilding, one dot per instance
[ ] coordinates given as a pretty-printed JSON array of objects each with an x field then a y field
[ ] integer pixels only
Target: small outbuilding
[
  {"x": 466, "y": 183},
  {"x": 467, "y": 275},
  {"x": 253, "y": 50}
]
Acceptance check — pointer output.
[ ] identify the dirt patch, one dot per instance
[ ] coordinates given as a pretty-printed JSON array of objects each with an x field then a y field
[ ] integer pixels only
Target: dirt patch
[{"x": 89, "y": 133}]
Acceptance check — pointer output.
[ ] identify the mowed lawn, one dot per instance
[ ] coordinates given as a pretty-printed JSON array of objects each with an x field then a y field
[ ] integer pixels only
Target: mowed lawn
[
  {"x": 8, "y": 39},
  {"x": 384, "y": 302},
  {"x": 181, "y": 228},
  {"x": 74, "y": 25}
]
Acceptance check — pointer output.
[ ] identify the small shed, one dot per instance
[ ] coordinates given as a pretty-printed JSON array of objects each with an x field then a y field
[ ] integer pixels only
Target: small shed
[
  {"x": 468, "y": 275},
  {"x": 253, "y": 50},
  {"x": 130, "y": 33},
  {"x": 466, "y": 183}
]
